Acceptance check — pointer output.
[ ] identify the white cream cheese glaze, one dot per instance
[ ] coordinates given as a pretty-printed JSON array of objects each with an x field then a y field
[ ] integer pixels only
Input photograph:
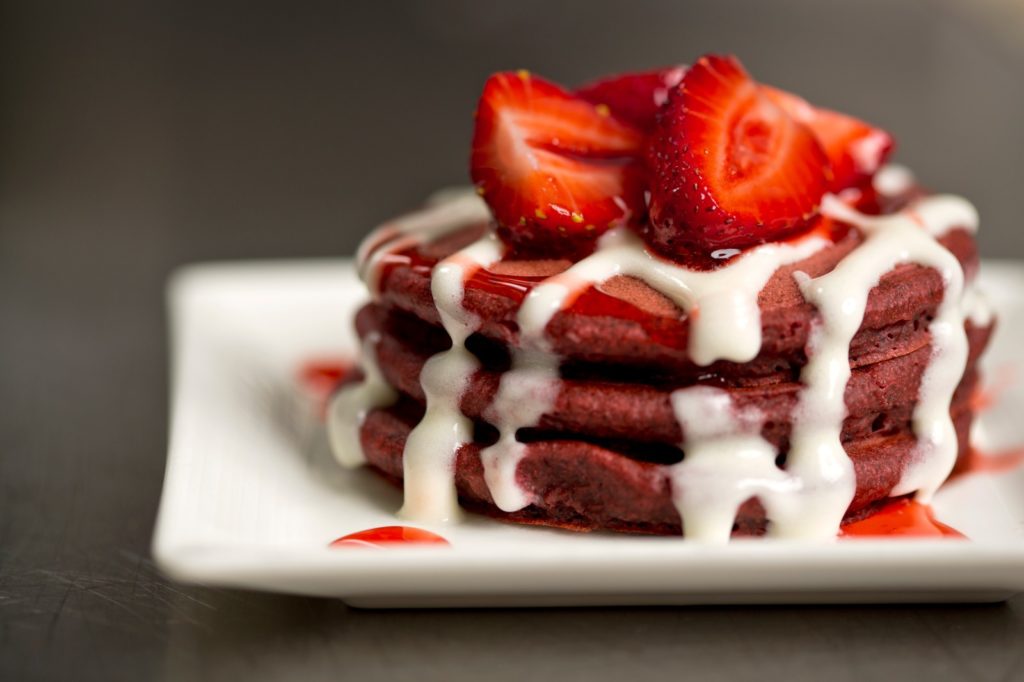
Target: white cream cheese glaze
[
  {"x": 526, "y": 393},
  {"x": 728, "y": 326},
  {"x": 350, "y": 405},
  {"x": 727, "y": 461},
  {"x": 977, "y": 307},
  {"x": 448, "y": 212},
  {"x": 431, "y": 448},
  {"x": 808, "y": 499},
  {"x": 841, "y": 297}
]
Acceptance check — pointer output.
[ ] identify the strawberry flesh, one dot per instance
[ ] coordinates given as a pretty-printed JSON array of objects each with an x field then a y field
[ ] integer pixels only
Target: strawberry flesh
[
  {"x": 855, "y": 149},
  {"x": 728, "y": 167},
  {"x": 636, "y": 97},
  {"x": 555, "y": 170}
]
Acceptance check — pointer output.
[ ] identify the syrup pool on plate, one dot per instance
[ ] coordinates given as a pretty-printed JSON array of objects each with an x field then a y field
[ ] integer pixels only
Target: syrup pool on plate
[
  {"x": 389, "y": 536},
  {"x": 324, "y": 374},
  {"x": 903, "y": 518}
]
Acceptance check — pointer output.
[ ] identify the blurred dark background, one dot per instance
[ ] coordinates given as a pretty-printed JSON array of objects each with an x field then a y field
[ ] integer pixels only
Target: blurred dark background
[
  {"x": 150, "y": 133},
  {"x": 137, "y": 136}
]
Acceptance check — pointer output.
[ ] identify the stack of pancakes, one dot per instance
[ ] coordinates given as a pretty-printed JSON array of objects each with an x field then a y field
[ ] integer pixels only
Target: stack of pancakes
[{"x": 601, "y": 457}]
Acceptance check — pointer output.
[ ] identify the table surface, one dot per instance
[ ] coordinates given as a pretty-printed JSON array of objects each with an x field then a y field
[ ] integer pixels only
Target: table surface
[{"x": 140, "y": 137}]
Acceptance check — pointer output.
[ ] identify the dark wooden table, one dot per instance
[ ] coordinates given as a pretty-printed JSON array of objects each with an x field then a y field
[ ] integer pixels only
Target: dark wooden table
[{"x": 135, "y": 137}]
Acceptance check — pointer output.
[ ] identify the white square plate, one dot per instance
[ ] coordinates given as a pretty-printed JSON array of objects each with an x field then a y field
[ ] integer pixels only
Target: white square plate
[{"x": 252, "y": 497}]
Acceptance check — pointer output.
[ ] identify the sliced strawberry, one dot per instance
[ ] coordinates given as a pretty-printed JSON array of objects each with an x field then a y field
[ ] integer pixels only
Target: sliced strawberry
[
  {"x": 729, "y": 168},
  {"x": 634, "y": 97},
  {"x": 855, "y": 149},
  {"x": 555, "y": 170}
]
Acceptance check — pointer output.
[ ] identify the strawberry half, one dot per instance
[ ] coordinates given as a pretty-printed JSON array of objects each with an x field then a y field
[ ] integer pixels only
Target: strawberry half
[
  {"x": 555, "y": 170},
  {"x": 634, "y": 98},
  {"x": 855, "y": 149},
  {"x": 729, "y": 168}
]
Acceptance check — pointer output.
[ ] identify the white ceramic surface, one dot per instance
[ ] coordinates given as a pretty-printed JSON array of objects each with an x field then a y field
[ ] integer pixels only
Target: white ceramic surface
[{"x": 252, "y": 497}]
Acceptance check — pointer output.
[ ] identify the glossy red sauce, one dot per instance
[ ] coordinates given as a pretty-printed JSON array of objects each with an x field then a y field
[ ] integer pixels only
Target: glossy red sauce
[
  {"x": 389, "y": 536},
  {"x": 903, "y": 518},
  {"x": 510, "y": 286},
  {"x": 408, "y": 258},
  {"x": 320, "y": 377}
]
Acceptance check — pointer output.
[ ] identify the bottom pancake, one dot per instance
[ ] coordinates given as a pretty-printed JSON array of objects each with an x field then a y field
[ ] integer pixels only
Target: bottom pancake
[{"x": 585, "y": 486}]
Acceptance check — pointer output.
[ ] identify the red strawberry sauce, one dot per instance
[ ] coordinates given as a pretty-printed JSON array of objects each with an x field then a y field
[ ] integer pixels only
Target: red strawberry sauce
[
  {"x": 904, "y": 518},
  {"x": 389, "y": 536}
]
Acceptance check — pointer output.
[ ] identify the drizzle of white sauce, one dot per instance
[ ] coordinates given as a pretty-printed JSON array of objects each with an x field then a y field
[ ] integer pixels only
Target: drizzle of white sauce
[
  {"x": 446, "y": 213},
  {"x": 728, "y": 326},
  {"x": 841, "y": 298},
  {"x": 526, "y": 393},
  {"x": 725, "y": 320},
  {"x": 893, "y": 180},
  {"x": 431, "y": 448},
  {"x": 977, "y": 306},
  {"x": 351, "y": 404},
  {"x": 727, "y": 462}
]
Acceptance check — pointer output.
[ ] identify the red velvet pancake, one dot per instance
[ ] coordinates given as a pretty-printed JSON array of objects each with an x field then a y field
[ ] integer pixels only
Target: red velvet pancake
[
  {"x": 879, "y": 397},
  {"x": 626, "y": 323},
  {"x": 583, "y": 485}
]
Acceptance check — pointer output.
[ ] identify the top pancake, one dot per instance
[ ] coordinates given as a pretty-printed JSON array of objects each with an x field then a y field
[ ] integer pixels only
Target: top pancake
[{"x": 626, "y": 323}]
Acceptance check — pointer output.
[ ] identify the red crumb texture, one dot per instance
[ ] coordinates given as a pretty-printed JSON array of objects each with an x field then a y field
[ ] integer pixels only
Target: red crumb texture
[{"x": 644, "y": 329}]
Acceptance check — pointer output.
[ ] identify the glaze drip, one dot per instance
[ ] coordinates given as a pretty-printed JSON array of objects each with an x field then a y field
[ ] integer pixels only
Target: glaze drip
[
  {"x": 350, "y": 405},
  {"x": 728, "y": 326},
  {"x": 841, "y": 297},
  {"x": 727, "y": 462},
  {"x": 526, "y": 393},
  {"x": 447, "y": 212},
  {"x": 431, "y": 448}
]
